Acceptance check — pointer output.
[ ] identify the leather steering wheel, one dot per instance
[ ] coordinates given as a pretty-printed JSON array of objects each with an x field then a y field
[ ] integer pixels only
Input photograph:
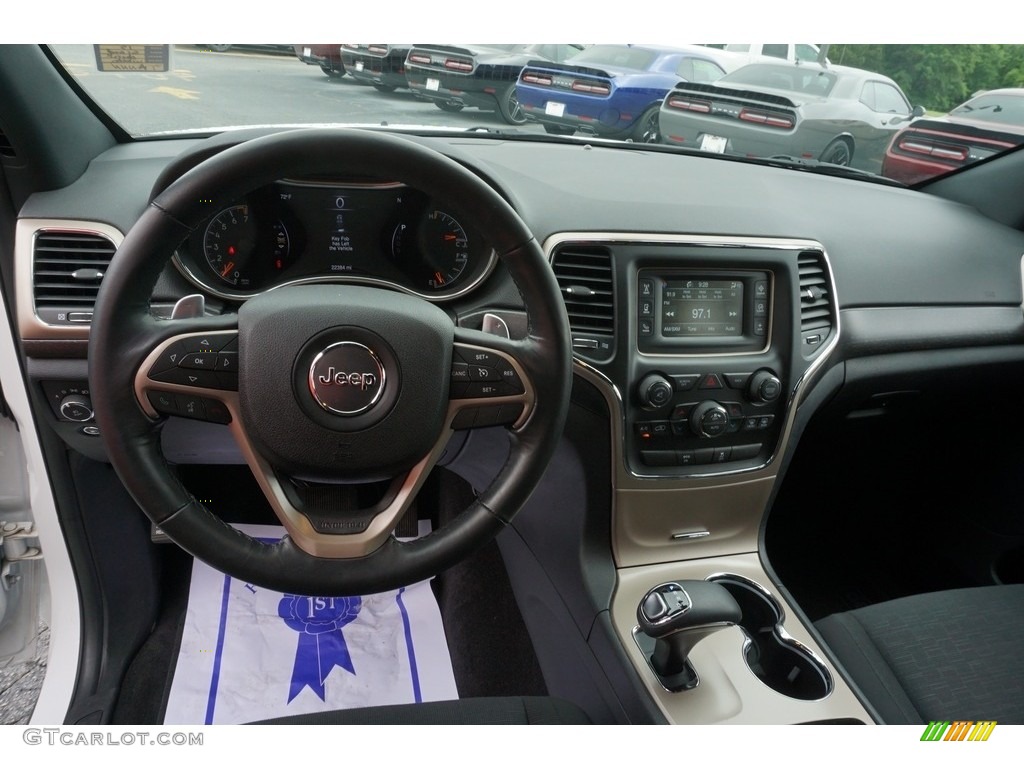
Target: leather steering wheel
[{"x": 326, "y": 385}]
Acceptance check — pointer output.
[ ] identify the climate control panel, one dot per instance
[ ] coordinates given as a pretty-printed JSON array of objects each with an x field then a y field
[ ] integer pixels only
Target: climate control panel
[{"x": 688, "y": 419}]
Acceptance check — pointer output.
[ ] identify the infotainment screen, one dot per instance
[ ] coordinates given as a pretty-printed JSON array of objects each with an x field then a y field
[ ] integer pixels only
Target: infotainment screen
[{"x": 695, "y": 307}]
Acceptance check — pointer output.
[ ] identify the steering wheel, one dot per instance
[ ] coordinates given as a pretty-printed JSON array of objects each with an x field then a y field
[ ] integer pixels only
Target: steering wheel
[{"x": 327, "y": 387}]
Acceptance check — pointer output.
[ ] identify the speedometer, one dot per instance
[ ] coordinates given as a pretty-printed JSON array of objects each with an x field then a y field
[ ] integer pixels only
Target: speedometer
[
  {"x": 433, "y": 252},
  {"x": 238, "y": 248}
]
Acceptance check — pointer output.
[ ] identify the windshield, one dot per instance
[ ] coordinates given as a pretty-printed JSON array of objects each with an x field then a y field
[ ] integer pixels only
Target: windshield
[{"x": 854, "y": 105}]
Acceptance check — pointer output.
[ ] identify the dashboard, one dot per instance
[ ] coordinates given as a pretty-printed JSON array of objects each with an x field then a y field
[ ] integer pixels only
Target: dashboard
[{"x": 714, "y": 306}]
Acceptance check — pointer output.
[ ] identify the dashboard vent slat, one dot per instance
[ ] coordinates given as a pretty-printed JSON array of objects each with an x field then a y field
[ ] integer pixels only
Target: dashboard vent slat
[
  {"x": 816, "y": 302},
  {"x": 67, "y": 268},
  {"x": 585, "y": 278}
]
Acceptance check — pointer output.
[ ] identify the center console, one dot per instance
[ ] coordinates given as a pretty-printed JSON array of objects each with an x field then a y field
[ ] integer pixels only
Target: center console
[{"x": 703, "y": 348}]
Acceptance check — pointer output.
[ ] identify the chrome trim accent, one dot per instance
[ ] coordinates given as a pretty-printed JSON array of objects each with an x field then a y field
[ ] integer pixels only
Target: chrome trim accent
[
  {"x": 796, "y": 392},
  {"x": 779, "y": 629},
  {"x": 311, "y": 379},
  {"x": 665, "y": 619},
  {"x": 30, "y": 326},
  {"x": 691, "y": 535}
]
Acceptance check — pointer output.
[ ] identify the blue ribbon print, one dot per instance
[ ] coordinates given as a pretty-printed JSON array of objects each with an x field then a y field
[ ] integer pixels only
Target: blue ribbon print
[{"x": 318, "y": 620}]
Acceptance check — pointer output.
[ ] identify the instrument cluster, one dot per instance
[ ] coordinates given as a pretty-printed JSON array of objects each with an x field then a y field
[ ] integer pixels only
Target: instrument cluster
[{"x": 374, "y": 233}]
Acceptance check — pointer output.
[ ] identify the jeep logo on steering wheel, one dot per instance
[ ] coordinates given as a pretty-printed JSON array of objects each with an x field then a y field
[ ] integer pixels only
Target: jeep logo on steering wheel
[{"x": 346, "y": 378}]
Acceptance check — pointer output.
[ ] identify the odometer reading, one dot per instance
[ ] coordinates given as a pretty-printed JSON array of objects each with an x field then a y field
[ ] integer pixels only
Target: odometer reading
[{"x": 702, "y": 308}]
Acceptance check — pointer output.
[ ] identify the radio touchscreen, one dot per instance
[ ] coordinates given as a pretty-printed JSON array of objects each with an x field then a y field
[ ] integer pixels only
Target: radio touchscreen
[
  {"x": 703, "y": 312},
  {"x": 702, "y": 308}
]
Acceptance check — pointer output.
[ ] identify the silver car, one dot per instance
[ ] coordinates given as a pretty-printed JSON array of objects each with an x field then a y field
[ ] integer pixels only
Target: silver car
[{"x": 805, "y": 111}]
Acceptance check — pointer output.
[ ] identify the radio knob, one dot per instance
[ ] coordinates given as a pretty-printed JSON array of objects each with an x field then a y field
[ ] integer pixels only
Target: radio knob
[
  {"x": 709, "y": 419},
  {"x": 76, "y": 408},
  {"x": 655, "y": 391},
  {"x": 764, "y": 387}
]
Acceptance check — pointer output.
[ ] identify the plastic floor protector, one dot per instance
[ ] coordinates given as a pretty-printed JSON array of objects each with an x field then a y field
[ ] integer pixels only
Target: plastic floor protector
[{"x": 249, "y": 653}]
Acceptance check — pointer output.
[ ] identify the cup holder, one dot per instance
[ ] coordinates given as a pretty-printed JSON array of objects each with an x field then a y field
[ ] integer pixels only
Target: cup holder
[{"x": 776, "y": 659}]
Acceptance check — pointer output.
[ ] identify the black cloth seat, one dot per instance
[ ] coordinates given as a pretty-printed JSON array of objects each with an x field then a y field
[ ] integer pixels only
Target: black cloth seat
[
  {"x": 954, "y": 655},
  {"x": 511, "y": 710}
]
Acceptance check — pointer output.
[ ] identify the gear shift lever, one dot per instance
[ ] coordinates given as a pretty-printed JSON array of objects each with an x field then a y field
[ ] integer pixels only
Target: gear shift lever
[{"x": 678, "y": 615}]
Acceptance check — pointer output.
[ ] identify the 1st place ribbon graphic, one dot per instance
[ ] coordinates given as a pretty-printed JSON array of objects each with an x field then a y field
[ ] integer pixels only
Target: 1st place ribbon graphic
[{"x": 318, "y": 620}]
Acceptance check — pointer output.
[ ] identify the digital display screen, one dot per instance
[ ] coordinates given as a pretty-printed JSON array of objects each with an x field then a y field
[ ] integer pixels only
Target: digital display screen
[{"x": 695, "y": 307}]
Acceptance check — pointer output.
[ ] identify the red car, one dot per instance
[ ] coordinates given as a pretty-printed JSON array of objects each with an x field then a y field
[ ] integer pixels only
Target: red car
[
  {"x": 327, "y": 56},
  {"x": 985, "y": 125}
]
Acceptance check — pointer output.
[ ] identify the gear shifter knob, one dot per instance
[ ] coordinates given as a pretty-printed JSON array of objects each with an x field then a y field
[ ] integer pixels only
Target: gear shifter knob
[{"x": 678, "y": 615}]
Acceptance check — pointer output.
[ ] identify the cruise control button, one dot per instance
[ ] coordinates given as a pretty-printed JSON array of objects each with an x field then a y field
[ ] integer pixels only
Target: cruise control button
[
  {"x": 481, "y": 389},
  {"x": 482, "y": 373},
  {"x": 460, "y": 372},
  {"x": 478, "y": 357},
  {"x": 510, "y": 377}
]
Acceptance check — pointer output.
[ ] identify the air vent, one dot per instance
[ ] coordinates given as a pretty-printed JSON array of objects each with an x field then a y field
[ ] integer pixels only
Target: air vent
[
  {"x": 67, "y": 267},
  {"x": 816, "y": 310},
  {"x": 585, "y": 278},
  {"x": 6, "y": 148}
]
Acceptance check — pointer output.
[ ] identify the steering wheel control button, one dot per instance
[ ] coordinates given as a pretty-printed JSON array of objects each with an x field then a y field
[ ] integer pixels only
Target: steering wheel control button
[
  {"x": 199, "y": 361},
  {"x": 460, "y": 372},
  {"x": 164, "y": 402},
  {"x": 168, "y": 359},
  {"x": 482, "y": 373},
  {"x": 347, "y": 378},
  {"x": 190, "y": 406}
]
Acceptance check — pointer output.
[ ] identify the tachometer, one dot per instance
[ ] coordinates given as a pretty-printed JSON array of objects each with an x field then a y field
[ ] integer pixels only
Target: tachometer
[
  {"x": 238, "y": 248},
  {"x": 433, "y": 252}
]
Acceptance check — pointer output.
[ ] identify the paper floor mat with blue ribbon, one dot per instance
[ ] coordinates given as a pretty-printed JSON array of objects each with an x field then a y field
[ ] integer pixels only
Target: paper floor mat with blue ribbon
[{"x": 249, "y": 653}]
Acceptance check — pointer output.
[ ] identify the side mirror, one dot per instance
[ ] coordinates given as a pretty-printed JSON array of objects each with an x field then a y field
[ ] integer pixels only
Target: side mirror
[{"x": 917, "y": 111}]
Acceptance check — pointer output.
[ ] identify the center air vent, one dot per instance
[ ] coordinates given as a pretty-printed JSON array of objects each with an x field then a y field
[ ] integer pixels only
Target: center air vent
[
  {"x": 816, "y": 307},
  {"x": 585, "y": 278},
  {"x": 67, "y": 267}
]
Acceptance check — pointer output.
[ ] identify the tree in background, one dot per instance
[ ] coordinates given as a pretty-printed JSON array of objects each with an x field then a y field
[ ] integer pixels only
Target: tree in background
[{"x": 938, "y": 76}]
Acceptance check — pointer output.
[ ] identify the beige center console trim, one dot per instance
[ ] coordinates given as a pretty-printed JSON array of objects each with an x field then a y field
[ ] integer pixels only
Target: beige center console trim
[{"x": 728, "y": 691}]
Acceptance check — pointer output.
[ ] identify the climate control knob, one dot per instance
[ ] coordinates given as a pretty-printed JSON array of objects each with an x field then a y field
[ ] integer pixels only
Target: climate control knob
[
  {"x": 764, "y": 387},
  {"x": 709, "y": 419},
  {"x": 655, "y": 391}
]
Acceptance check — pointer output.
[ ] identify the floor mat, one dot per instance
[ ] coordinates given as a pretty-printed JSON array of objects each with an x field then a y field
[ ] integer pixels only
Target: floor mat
[{"x": 249, "y": 653}]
